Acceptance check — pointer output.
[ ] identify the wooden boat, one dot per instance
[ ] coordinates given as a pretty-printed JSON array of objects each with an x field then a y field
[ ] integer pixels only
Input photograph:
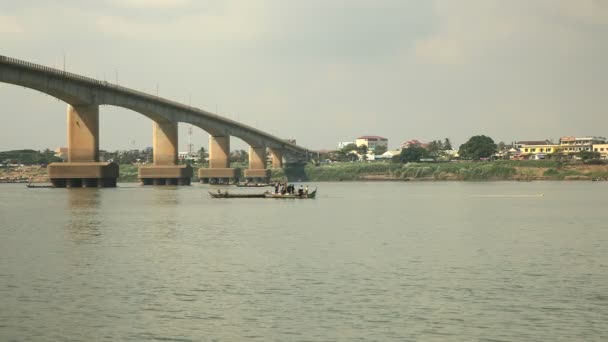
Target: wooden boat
[
  {"x": 226, "y": 194},
  {"x": 295, "y": 196},
  {"x": 30, "y": 185}
]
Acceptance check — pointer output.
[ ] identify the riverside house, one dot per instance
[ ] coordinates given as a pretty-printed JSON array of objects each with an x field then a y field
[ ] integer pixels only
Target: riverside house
[
  {"x": 573, "y": 145},
  {"x": 602, "y": 149}
]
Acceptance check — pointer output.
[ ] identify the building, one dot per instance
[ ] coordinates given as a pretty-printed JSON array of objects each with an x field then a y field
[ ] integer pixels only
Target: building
[
  {"x": 343, "y": 144},
  {"x": 372, "y": 141},
  {"x": 62, "y": 152},
  {"x": 572, "y": 145},
  {"x": 602, "y": 149},
  {"x": 519, "y": 144},
  {"x": 391, "y": 154},
  {"x": 186, "y": 156},
  {"x": 537, "y": 152}
]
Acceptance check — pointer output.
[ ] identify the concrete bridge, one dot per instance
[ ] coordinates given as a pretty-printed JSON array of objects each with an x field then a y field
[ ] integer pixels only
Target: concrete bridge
[{"x": 84, "y": 95}]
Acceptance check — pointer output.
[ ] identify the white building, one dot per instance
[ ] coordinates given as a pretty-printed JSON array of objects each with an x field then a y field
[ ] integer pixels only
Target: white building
[
  {"x": 372, "y": 141},
  {"x": 391, "y": 154},
  {"x": 573, "y": 145}
]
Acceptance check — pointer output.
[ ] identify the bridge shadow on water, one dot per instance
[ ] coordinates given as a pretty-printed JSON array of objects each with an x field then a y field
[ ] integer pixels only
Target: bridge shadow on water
[{"x": 295, "y": 172}]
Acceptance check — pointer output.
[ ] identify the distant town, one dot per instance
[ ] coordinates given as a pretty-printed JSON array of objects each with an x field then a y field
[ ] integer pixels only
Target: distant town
[{"x": 367, "y": 148}]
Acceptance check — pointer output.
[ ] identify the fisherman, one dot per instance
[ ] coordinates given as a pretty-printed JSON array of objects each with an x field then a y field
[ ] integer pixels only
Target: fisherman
[
  {"x": 301, "y": 191},
  {"x": 276, "y": 187},
  {"x": 306, "y": 191}
]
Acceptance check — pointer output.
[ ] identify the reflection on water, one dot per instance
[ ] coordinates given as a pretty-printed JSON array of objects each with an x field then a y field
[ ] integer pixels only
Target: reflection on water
[{"x": 84, "y": 220}]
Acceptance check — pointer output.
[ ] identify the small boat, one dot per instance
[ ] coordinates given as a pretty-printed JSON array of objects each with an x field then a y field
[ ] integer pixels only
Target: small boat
[
  {"x": 30, "y": 185},
  {"x": 295, "y": 196},
  {"x": 226, "y": 194}
]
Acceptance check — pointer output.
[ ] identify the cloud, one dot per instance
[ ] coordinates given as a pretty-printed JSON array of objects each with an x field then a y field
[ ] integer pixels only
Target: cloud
[{"x": 470, "y": 29}]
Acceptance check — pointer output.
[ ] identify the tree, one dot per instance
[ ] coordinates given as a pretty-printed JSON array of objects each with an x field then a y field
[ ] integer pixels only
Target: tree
[
  {"x": 477, "y": 147},
  {"x": 344, "y": 154},
  {"x": 447, "y": 144},
  {"x": 380, "y": 149},
  {"x": 413, "y": 154},
  {"x": 239, "y": 156},
  {"x": 501, "y": 146},
  {"x": 435, "y": 148},
  {"x": 362, "y": 149},
  {"x": 586, "y": 155},
  {"x": 202, "y": 154}
]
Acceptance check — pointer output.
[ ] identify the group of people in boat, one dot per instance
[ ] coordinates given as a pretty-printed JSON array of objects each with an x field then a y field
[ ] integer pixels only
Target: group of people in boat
[{"x": 290, "y": 189}]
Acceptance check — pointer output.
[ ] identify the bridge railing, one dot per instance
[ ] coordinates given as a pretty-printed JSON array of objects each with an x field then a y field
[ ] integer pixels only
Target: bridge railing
[{"x": 67, "y": 74}]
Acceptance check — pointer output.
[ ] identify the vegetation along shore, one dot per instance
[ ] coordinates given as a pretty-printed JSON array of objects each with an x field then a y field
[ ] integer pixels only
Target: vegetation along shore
[{"x": 387, "y": 171}]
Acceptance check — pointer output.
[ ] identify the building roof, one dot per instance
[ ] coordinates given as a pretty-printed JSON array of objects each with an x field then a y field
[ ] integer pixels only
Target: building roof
[
  {"x": 372, "y": 137},
  {"x": 534, "y": 142}
]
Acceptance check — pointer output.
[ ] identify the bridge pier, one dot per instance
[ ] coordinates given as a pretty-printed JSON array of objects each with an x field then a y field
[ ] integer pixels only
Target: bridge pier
[
  {"x": 165, "y": 170},
  {"x": 257, "y": 172},
  {"x": 83, "y": 168},
  {"x": 219, "y": 171},
  {"x": 277, "y": 157}
]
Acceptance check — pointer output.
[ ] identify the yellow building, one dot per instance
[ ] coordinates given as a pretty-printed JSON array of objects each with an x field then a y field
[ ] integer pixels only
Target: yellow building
[
  {"x": 538, "y": 151},
  {"x": 602, "y": 149}
]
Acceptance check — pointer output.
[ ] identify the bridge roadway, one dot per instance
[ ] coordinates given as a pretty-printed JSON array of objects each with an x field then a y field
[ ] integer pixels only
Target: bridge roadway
[{"x": 84, "y": 95}]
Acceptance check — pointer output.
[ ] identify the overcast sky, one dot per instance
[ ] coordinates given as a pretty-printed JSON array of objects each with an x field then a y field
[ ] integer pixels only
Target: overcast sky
[{"x": 320, "y": 71}]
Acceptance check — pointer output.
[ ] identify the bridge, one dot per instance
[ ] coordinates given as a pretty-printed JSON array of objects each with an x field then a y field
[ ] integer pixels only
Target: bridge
[{"x": 84, "y": 95}]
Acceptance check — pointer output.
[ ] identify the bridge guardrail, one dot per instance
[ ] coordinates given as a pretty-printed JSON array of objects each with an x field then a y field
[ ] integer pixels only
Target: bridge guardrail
[{"x": 106, "y": 84}]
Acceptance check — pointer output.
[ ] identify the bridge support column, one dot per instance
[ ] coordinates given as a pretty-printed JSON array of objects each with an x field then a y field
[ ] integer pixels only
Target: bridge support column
[
  {"x": 83, "y": 168},
  {"x": 165, "y": 170},
  {"x": 257, "y": 172},
  {"x": 219, "y": 171},
  {"x": 277, "y": 157}
]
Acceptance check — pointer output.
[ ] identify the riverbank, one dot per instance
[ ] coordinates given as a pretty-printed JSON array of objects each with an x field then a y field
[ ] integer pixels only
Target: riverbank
[{"x": 452, "y": 171}]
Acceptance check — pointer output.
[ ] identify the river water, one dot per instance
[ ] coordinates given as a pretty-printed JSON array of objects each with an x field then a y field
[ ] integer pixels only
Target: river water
[{"x": 437, "y": 261}]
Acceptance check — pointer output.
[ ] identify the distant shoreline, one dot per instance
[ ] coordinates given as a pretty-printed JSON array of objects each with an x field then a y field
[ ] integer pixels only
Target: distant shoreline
[{"x": 520, "y": 171}]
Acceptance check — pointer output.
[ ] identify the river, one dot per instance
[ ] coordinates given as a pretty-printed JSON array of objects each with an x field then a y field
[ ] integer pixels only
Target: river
[{"x": 436, "y": 261}]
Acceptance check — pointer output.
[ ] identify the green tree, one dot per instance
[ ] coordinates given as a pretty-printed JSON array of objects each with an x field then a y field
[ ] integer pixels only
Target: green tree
[
  {"x": 202, "y": 154},
  {"x": 362, "y": 149},
  {"x": 380, "y": 149},
  {"x": 479, "y": 146},
  {"x": 447, "y": 144},
  {"x": 344, "y": 154},
  {"x": 435, "y": 148},
  {"x": 348, "y": 148},
  {"x": 587, "y": 155},
  {"x": 413, "y": 154},
  {"x": 239, "y": 156}
]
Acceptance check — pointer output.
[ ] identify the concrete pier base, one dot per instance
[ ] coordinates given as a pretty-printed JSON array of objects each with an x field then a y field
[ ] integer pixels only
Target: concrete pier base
[
  {"x": 257, "y": 175},
  {"x": 219, "y": 175},
  {"x": 165, "y": 174},
  {"x": 83, "y": 174}
]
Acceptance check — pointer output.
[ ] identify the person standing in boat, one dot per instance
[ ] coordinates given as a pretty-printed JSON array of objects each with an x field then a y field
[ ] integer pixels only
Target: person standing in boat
[{"x": 306, "y": 191}]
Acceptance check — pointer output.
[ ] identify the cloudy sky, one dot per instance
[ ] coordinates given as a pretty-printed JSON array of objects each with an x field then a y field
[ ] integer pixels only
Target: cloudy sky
[{"x": 320, "y": 71}]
